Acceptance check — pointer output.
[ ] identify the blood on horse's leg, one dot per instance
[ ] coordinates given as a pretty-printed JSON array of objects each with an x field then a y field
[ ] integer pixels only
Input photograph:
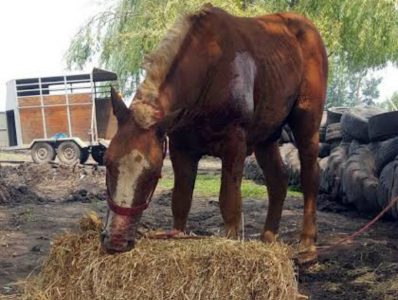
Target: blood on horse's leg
[
  {"x": 233, "y": 158},
  {"x": 185, "y": 168},
  {"x": 270, "y": 161}
]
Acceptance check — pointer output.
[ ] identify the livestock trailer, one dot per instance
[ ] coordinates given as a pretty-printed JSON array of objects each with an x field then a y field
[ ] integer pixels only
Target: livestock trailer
[{"x": 67, "y": 116}]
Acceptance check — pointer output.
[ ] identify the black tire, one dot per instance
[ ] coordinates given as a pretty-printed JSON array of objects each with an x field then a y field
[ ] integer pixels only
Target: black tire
[
  {"x": 98, "y": 153},
  {"x": 370, "y": 186},
  {"x": 252, "y": 170},
  {"x": 286, "y": 135},
  {"x": 333, "y": 133},
  {"x": 359, "y": 183},
  {"x": 69, "y": 153},
  {"x": 290, "y": 158},
  {"x": 322, "y": 134},
  {"x": 353, "y": 147},
  {"x": 324, "y": 150},
  {"x": 383, "y": 126},
  {"x": 334, "y": 144},
  {"x": 331, "y": 177},
  {"x": 334, "y": 114},
  {"x": 384, "y": 152},
  {"x": 84, "y": 155},
  {"x": 388, "y": 188},
  {"x": 323, "y": 165},
  {"x": 355, "y": 123},
  {"x": 42, "y": 152},
  {"x": 346, "y": 137}
]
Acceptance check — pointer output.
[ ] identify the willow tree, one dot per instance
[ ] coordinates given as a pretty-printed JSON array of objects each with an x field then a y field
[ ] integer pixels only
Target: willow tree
[{"x": 359, "y": 34}]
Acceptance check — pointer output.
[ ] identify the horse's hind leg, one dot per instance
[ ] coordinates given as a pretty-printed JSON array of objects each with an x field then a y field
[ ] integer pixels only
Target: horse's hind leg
[
  {"x": 304, "y": 122},
  {"x": 270, "y": 161},
  {"x": 185, "y": 167}
]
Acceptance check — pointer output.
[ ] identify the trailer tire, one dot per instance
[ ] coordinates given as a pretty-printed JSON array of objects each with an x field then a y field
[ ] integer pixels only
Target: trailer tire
[
  {"x": 42, "y": 152},
  {"x": 98, "y": 154},
  {"x": 69, "y": 153},
  {"x": 84, "y": 156}
]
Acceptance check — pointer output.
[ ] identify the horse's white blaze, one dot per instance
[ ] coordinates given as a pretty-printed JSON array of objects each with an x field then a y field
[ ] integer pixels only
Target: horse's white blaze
[
  {"x": 244, "y": 73},
  {"x": 131, "y": 167}
]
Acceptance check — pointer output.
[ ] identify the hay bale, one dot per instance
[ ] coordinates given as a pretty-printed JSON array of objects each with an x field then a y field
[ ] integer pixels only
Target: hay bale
[{"x": 211, "y": 268}]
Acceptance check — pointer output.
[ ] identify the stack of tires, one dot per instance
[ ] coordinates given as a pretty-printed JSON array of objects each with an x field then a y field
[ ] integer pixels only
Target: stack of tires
[
  {"x": 290, "y": 159},
  {"x": 358, "y": 158},
  {"x": 360, "y": 169}
]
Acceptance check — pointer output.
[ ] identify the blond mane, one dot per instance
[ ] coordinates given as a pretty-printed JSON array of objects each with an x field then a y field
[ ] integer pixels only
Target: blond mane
[
  {"x": 158, "y": 63},
  {"x": 146, "y": 111}
]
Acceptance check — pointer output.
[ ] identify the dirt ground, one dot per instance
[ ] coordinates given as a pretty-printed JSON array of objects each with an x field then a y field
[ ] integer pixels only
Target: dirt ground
[{"x": 44, "y": 200}]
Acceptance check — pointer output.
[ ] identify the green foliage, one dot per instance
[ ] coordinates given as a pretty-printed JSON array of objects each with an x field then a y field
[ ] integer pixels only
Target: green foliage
[
  {"x": 359, "y": 34},
  {"x": 370, "y": 91},
  {"x": 348, "y": 88},
  {"x": 122, "y": 37}
]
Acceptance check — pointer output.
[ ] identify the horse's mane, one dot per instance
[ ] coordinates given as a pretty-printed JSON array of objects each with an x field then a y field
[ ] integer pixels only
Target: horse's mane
[
  {"x": 158, "y": 63},
  {"x": 157, "y": 66}
]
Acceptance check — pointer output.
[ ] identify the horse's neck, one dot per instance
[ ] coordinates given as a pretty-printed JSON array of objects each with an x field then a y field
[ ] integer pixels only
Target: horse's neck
[{"x": 170, "y": 118}]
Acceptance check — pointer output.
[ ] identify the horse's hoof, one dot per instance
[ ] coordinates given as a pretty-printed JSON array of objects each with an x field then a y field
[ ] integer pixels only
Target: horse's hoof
[
  {"x": 307, "y": 258},
  {"x": 268, "y": 237}
]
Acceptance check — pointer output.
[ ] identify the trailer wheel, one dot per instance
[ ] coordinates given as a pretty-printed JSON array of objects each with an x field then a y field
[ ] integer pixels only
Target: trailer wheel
[
  {"x": 69, "y": 153},
  {"x": 84, "y": 155},
  {"x": 42, "y": 153},
  {"x": 98, "y": 154}
]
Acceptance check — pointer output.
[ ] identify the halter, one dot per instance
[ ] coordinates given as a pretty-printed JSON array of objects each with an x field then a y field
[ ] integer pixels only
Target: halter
[{"x": 135, "y": 210}]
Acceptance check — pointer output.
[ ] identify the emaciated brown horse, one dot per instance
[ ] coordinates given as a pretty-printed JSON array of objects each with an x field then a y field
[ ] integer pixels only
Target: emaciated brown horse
[{"x": 224, "y": 86}]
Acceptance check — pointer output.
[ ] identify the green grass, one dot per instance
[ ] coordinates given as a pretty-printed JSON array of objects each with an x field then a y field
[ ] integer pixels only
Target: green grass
[{"x": 209, "y": 186}]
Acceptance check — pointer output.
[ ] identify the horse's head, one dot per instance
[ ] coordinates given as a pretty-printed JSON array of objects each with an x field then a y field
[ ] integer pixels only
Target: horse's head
[{"x": 133, "y": 162}]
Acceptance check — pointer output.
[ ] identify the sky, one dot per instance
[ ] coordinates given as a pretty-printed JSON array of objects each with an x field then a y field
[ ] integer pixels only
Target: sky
[{"x": 35, "y": 35}]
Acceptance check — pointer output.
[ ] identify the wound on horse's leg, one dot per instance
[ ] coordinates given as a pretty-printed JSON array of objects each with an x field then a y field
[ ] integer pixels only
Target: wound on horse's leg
[{"x": 270, "y": 161}]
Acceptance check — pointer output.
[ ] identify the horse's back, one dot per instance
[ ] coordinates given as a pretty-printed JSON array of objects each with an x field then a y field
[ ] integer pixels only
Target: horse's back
[{"x": 259, "y": 75}]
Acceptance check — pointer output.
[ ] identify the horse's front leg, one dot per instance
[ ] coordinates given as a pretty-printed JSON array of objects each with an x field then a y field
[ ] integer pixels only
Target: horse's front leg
[
  {"x": 233, "y": 156},
  {"x": 185, "y": 166}
]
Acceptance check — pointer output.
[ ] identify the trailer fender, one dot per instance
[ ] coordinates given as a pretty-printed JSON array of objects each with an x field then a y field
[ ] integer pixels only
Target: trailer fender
[{"x": 56, "y": 142}]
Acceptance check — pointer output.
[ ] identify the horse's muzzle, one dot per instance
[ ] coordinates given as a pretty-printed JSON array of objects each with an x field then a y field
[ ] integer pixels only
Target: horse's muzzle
[{"x": 115, "y": 243}]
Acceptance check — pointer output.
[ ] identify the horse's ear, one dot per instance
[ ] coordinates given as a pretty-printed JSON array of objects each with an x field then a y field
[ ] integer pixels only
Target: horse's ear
[
  {"x": 203, "y": 11},
  {"x": 207, "y": 6},
  {"x": 120, "y": 109}
]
